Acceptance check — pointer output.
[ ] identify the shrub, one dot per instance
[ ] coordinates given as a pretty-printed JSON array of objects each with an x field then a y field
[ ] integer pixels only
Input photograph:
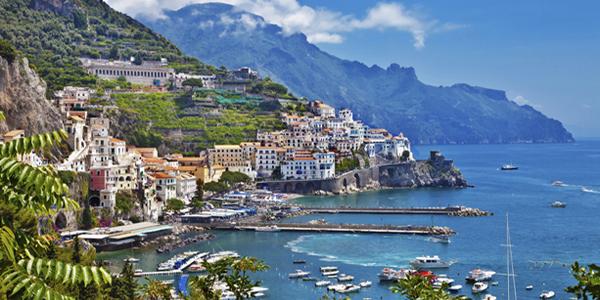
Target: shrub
[{"x": 7, "y": 51}]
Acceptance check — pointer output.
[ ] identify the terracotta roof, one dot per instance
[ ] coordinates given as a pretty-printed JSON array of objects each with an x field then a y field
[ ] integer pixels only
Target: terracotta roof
[
  {"x": 153, "y": 160},
  {"x": 161, "y": 175},
  {"x": 194, "y": 158},
  {"x": 116, "y": 140}
]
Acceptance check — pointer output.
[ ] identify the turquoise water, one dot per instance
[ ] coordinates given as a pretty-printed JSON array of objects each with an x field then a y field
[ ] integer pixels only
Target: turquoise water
[{"x": 539, "y": 233}]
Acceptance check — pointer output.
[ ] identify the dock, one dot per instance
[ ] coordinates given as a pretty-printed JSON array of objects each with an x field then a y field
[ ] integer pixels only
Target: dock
[
  {"x": 179, "y": 270},
  {"x": 449, "y": 210},
  {"x": 344, "y": 228}
]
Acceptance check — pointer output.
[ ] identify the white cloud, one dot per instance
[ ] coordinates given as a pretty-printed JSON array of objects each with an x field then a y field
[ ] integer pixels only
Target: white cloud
[{"x": 320, "y": 25}]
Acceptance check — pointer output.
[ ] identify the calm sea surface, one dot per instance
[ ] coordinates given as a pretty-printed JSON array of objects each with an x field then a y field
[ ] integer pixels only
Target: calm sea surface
[{"x": 546, "y": 240}]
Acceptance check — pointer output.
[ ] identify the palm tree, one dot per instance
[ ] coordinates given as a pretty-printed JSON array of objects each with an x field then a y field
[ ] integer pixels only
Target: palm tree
[{"x": 25, "y": 271}]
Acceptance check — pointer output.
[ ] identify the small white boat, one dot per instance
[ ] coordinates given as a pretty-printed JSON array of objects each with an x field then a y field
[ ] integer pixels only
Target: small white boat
[
  {"x": 586, "y": 190},
  {"x": 509, "y": 167},
  {"x": 328, "y": 269},
  {"x": 344, "y": 277},
  {"x": 322, "y": 283},
  {"x": 332, "y": 276},
  {"x": 558, "y": 204},
  {"x": 267, "y": 228},
  {"x": 348, "y": 288},
  {"x": 298, "y": 274},
  {"x": 529, "y": 287},
  {"x": 334, "y": 287},
  {"x": 258, "y": 295},
  {"x": 489, "y": 297},
  {"x": 494, "y": 283},
  {"x": 131, "y": 259},
  {"x": 455, "y": 288},
  {"x": 389, "y": 274},
  {"x": 329, "y": 273},
  {"x": 478, "y": 275},
  {"x": 430, "y": 262},
  {"x": 364, "y": 284},
  {"x": 547, "y": 295},
  {"x": 558, "y": 183},
  {"x": 479, "y": 287}
]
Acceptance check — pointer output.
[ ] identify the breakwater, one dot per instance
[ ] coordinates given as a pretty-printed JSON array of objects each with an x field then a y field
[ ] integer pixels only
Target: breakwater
[
  {"x": 346, "y": 228},
  {"x": 450, "y": 210}
]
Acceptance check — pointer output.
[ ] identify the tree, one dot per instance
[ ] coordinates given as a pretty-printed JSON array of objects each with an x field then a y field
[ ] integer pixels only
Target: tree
[
  {"x": 86, "y": 217},
  {"x": 193, "y": 82},
  {"x": 417, "y": 287},
  {"x": 156, "y": 290},
  {"x": 175, "y": 205},
  {"x": 125, "y": 286},
  {"x": 230, "y": 178},
  {"x": 216, "y": 187},
  {"x": 123, "y": 202},
  {"x": 137, "y": 59},
  {"x": 588, "y": 281},
  {"x": 25, "y": 272},
  {"x": 7, "y": 51},
  {"x": 114, "y": 52},
  {"x": 198, "y": 200},
  {"x": 277, "y": 174}
]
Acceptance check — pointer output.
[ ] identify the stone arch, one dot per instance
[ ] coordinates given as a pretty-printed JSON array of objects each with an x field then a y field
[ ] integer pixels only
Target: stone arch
[
  {"x": 345, "y": 183},
  {"x": 287, "y": 187},
  {"x": 60, "y": 221},
  {"x": 299, "y": 188},
  {"x": 358, "y": 181},
  {"x": 309, "y": 188},
  {"x": 94, "y": 201}
]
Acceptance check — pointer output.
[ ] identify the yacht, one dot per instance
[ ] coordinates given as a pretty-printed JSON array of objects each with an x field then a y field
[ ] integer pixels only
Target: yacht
[
  {"x": 479, "y": 275},
  {"x": 558, "y": 204},
  {"x": 344, "y": 277},
  {"x": 268, "y": 228},
  {"x": 558, "y": 183},
  {"x": 430, "y": 262},
  {"x": 298, "y": 274},
  {"x": 479, "y": 287},
  {"x": 547, "y": 295},
  {"x": 455, "y": 288},
  {"x": 389, "y": 274},
  {"x": 364, "y": 284},
  {"x": 329, "y": 273},
  {"x": 509, "y": 167},
  {"x": 322, "y": 283},
  {"x": 328, "y": 269}
]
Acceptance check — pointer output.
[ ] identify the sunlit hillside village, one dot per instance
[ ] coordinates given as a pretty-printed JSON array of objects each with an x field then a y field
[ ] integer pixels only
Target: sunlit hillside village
[{"x": 314, "y": 142}]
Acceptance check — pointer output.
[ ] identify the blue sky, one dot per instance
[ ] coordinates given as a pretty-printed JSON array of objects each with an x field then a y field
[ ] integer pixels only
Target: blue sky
[{"x": 543, "y": 53}]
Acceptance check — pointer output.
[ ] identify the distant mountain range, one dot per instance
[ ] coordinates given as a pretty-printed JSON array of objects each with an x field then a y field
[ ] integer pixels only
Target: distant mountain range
[{"x": 393, "y": 98}]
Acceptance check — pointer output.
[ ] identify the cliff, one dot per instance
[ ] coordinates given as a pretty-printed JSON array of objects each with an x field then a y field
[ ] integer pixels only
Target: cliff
[
  {"x": 434, "y": 172},
  {"x": 23, "y": 99}
]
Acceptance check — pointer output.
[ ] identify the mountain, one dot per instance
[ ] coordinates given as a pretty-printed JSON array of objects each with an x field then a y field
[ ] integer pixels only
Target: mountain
[
  {"x": 393, "y": 97},
  {"x": 53, "y": 34}
]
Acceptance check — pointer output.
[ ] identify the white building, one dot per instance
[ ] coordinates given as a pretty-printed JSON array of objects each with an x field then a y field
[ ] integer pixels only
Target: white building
[
  {"x": 266, "y": 161},
  {"x": 389, "y": 148},
  {"x": 148, "y": 73},
  {"x": 166, "y": 186},
  {"x": 186, "y": 187},
  {"x": 208, "y": 81},
  {"x": 320, "y": 165}
]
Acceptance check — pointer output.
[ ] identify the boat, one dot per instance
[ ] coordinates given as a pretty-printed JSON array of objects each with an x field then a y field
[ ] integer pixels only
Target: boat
[
  {"x": 509, "y": 167},
  {"x": 586, "y": 190},
  {"x": 267, "y": 228},
  {"x": 479, "y": 275},
  {"x": 332, "y": 276},
  {"x": 430, "y": 262},
  {"x": 258, "y": 295},
  {"x": 131, "y": 260},
  {"x": 558, "y": 183},
  {"x": 442, "y": 239},
  {"x": 479, "y": 287},
  {"x": 364, "y": 284},
  {"x": 334, "y": 287},
  {"x": 322, "y": 283},
  {"x": 309, "y": 279},
  {"x": 299, "y": 261},
  {"x": 489, "y": 297},
  {"x": 344, "y": 277},
  {"x": 298, "y": 274},
  {"x": 455, "y": 288},
  {"x": 329, "y": 273},
  {"x": 328, "y": 269},
  {"x": 558, "y": 204},
  {"x": 137, "y": 271},
  {"x": 547, "y": 295},
  {"x": 529, "y": 287},
  {"x": 494, "y": 283},
  {"x": 389, "y": 274},
  {"x": 258, "y": 289},
  {"x": 348, "y": 288}
]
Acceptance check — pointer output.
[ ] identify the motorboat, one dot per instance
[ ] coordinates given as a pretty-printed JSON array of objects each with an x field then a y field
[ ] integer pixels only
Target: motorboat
[
  {"x": 455, "y": 288},
  {"x": 258, "y": 295},
  {"x": 334, "y": 287},
  {"x": 586, "y": 190},
  {"x": 344, "y": 277},
  {"x": 299, "y": 261},
  {"x": 332, "y": 276},
  {"x": 442, "y": 239},
  {"x": 479, "y": 287},
  {"x": 267, "y": 228},
  {"x": 309, "y": 279},
  {"x": 547, "y": 294},
  {"x": 218, "y": 256},
  {"x": 389, "y": 274},
  {"x": 430, "y": 262},
  {"x": 348, "y": 288},
  {"x": 489, "y": 297},
  {"x": 558, "y": 183},
  {"x": 479, "y": 275},
  {"x": 131, "y": 260},
  {"x": 558, "y": 204},
  {"x": 329, "y": 273},
  {"x": 137, "y": 271},
  {"x": 364, "y": 284},
  {"x": 328, "y": 269},
  {"x": 298, "y": 274},
  {"x": 258, "y": 289},
  {"x": 529, "y": 287},
  {"x": 443, "y": 278},
  {"x": 509, "y": 167},
  {"x": 322, "y": 283}
]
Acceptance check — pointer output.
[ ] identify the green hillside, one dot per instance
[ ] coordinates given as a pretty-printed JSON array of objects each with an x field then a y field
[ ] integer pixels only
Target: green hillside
[{"x": 54, "y": 34}]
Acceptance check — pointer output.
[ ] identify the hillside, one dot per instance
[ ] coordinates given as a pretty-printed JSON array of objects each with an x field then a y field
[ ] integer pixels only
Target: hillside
[
  {"x": 53, "y": 34},
  {"x": 393, "y": 97}
]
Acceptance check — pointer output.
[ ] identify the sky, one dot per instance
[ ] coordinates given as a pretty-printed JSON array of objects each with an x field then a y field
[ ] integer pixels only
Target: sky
[{"x": 543, "y": 53}]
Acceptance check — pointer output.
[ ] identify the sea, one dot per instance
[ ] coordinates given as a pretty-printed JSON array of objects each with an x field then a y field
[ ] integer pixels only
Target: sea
[{"x": 545, "y": 240}]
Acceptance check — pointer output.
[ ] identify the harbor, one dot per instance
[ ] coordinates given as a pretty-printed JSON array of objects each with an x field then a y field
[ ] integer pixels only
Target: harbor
[
  {"x": 337, "y": 228},
  {"x": 449, "y": 210}
]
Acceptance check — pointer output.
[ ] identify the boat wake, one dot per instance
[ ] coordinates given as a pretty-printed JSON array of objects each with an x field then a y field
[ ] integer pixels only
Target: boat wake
[{"x": 588, "y": 190}]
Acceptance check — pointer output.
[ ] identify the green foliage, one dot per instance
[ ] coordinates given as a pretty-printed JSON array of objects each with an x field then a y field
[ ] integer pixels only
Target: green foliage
[
  {"x": 230, "y": 178},
  {"x": 215, "y": 187},
  {"x": 174, "y": 205},
  {"x": 198, "y": 200},
  {"x": 87, "y": 219},
  {"x": 588, "y": 281},
  {"x": 125, "y": 286},
  {"x": 416, "y": 287},
  {"x": 194, "y": 82},
  {"x": 347, "y": 164},
  {"x": 124, "y": 202},
  {"x": 7, "y": 51},
  {"x": 232, "y": 271},
  {"x": 156, "y": 290},
  {"x": 269, "y": 87}
]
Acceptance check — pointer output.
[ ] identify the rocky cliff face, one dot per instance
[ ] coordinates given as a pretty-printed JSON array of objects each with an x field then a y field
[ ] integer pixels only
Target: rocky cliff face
[
  {"x": 423, "y": 174},
  {"x": 23, "y": 99}
]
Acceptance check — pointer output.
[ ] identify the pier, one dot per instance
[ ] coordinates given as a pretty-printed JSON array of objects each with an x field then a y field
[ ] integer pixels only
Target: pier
[
  {"x": 179, "y": 270},
  {"x": 450, "y": 210},
  {"x": 345, "y": 228}
]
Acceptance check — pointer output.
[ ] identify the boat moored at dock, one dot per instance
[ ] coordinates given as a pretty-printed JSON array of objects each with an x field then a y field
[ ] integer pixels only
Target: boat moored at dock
[
  {"x": 479, "y": 275},
  {"x": 430, "y": 262}
]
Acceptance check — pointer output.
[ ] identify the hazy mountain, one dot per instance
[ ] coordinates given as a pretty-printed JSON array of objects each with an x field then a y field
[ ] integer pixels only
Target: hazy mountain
[{"x": 393, "y": 97}]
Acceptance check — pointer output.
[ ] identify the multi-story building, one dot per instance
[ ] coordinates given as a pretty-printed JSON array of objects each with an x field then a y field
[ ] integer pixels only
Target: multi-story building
[
  {"x": 185, "y": 186},
  {"x": 227, "y": 156},
  {"x": 166, "y": 186},
  {"x": 266, "y": 161},
  {"x": 321, "y": 109},
  {"x": 148, "y": 72},
  {"x": 319, "y": 165}
]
